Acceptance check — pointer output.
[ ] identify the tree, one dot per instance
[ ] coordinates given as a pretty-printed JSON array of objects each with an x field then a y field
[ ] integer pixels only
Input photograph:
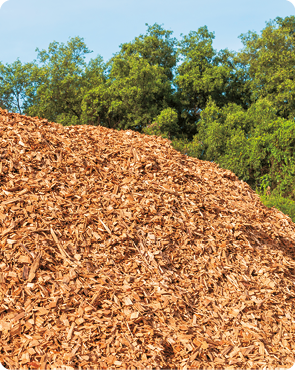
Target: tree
[
  {"x": 138, "y": 85},
  {"x": 132, "y": 96},
  {"x": 65, "y": 80},
  {"x": 17, "y": 85},
  {"x": 165, "y": 124},
  {"x": 205, "y": 73},
  {"x": 256, "y": 144},
  {"x": 269, "y": 59},
  {"x": 157, "y": 46}
]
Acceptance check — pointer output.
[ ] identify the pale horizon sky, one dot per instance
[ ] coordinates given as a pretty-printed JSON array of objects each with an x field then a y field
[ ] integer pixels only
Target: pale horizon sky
[{"x": 104, "y": 25}]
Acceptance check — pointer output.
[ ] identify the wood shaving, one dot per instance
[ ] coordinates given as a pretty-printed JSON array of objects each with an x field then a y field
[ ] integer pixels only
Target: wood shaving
[{"x": 117, "y": 251}]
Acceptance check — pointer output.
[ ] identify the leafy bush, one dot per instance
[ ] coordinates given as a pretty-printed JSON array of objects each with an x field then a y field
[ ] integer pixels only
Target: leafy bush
[
  {"x": 285, "y": 205},
  {"x": 165, "y": 124}
]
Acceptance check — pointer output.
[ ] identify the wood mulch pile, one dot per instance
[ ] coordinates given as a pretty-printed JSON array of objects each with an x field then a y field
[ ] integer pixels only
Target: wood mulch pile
[{"x": 117, "y": 251}]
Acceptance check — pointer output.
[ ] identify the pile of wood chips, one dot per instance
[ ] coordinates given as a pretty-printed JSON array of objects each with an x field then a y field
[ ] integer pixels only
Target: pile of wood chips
[{"x": 117, "y": 251}]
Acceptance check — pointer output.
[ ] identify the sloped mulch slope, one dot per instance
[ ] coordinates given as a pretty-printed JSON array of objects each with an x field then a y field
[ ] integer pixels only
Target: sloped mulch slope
[{"x": 119, "y": 252}]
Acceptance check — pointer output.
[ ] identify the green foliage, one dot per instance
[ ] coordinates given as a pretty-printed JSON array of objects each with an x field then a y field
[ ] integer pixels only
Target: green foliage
[
  {"x": 285, "y": 205},
  {"x": 133, "y": 95},
  {"x": 64, "y": 79},
  {"x": 190, "y": 148},
  {"x": 17, "y": 85},
  {"x": 257, "y": 145},
  {"x": 68, "y": 119},
  {"x": 205, "y": 74},
  {"x": 157, "y": 47},
  {"x": 138, "y": 85},
  {"x": 269, "y": 59},
  {"x": 165, "y": 124}
]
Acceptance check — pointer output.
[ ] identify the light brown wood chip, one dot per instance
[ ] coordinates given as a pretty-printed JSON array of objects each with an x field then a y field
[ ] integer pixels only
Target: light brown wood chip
[{"x": 117, "y": 251}]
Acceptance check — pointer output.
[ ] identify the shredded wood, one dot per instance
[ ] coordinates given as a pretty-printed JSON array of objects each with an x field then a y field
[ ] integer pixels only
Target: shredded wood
[{"x": 117, "y": 251}]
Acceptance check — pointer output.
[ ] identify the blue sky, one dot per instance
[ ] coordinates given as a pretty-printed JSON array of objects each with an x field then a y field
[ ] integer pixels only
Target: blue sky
[{"x": 105, "y": 24}]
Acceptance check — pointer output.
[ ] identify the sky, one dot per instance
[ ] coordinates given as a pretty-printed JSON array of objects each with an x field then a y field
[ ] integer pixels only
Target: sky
[{"x": 105, "y": 24}]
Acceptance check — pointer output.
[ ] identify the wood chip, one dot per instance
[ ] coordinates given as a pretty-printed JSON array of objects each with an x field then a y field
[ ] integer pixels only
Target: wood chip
[{"x": 119, "y": 252}]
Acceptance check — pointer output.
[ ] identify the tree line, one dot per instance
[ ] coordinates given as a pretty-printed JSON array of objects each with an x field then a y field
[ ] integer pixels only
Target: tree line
[{"x": 234, "y": 108}]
